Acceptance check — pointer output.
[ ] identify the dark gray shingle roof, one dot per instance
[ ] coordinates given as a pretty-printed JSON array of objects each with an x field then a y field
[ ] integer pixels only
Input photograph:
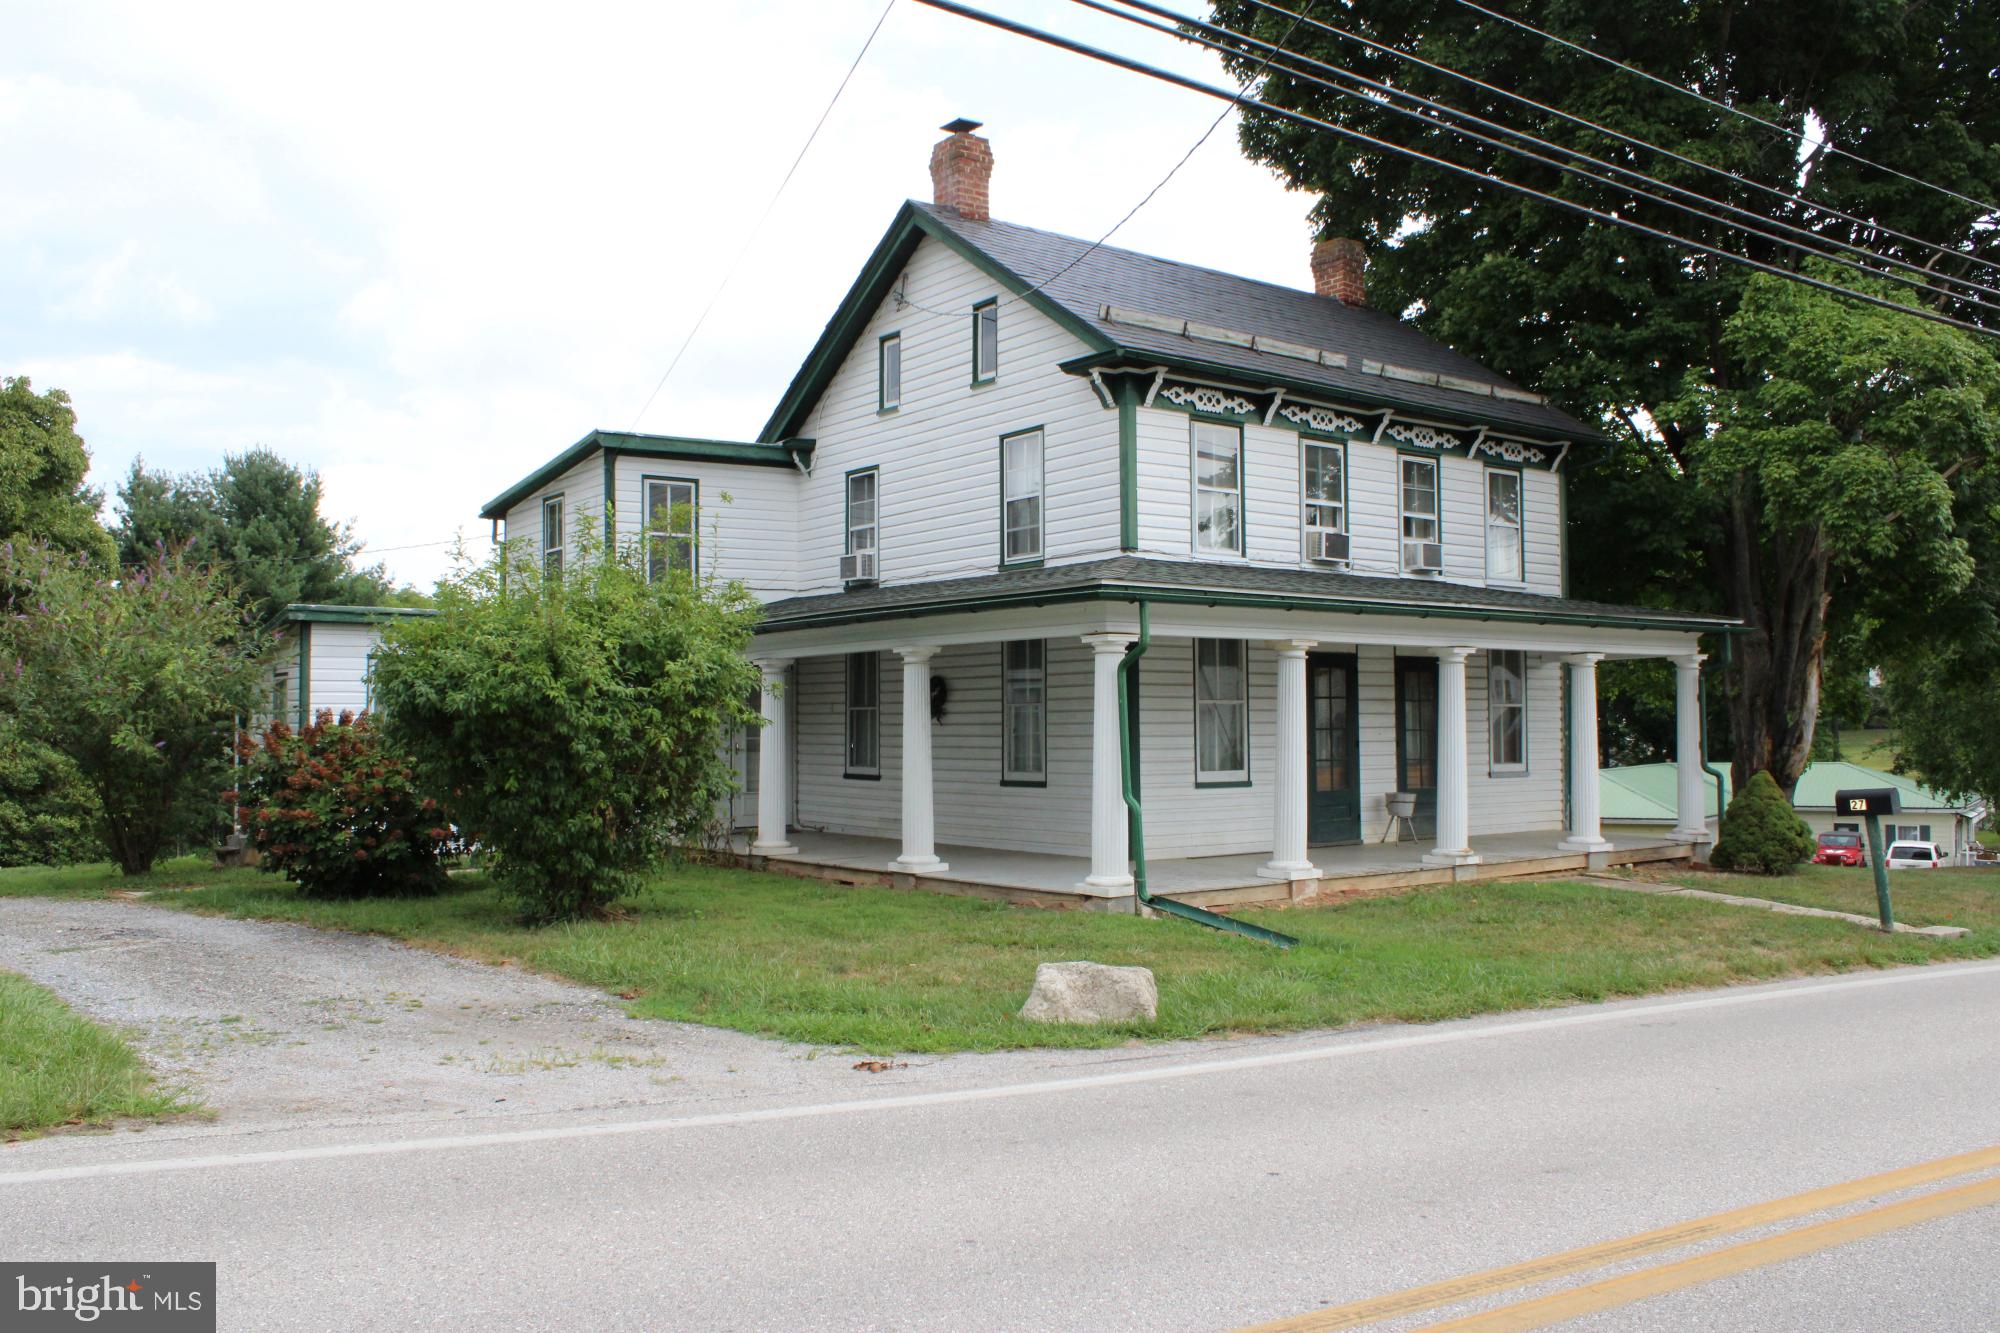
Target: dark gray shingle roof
[
  {"x": 1126, "y": 279},
  {"x": 1122, "y": 575}
]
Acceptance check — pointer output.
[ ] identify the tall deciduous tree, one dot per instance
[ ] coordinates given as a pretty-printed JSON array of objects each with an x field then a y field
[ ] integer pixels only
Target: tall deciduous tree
[
  {"x": 42, "y": 466},
  {"x": 1637, "y": 333},
  {"x": 137, "y": 679},
  {"x": 258, "y": 517}
]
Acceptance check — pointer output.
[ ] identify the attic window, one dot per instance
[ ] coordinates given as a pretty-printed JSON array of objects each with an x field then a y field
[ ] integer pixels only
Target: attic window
[{"x": 985, "y": 341}]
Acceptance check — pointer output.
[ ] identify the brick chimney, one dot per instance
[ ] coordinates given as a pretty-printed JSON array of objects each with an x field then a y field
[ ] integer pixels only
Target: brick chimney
[
  {"x": 961, "y": 171},
  {"x": 1340, "y": 270}
]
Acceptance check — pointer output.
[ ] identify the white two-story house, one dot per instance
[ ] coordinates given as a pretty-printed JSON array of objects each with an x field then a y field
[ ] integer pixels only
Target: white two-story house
[{"x": 1035, "y": 515}]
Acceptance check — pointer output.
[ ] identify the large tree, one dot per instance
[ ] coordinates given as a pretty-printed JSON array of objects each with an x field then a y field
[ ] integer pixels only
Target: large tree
[
  {"x": 1641, "y": 335},
  {"x": 256, "y": 516},
  {"x": 42, "y": 466}
]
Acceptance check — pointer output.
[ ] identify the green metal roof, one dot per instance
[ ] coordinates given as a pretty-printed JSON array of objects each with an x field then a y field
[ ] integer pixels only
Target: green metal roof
[
  {"x": 323, "y": 613},
  {"x": 1645, "y": 793},
  {"x": 785, "y": 453}
]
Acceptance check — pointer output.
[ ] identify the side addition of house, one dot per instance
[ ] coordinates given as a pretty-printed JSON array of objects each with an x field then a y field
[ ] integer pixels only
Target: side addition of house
[{"x": 1034, "y": 514}]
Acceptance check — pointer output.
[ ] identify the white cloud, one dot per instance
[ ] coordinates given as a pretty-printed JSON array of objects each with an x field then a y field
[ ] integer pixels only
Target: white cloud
[{"x": 432, "y": 245}]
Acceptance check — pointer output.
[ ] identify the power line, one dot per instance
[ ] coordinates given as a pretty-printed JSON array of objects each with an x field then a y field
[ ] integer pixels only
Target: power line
[
  {"x": 1682, "y": 158},
  {"x": 1286, "y": 113},
  {"x": 763, "y": 217},
  {"x": 1192, "y": 28},
  {"x": 903, "y": 302},
  {"x": 1831, "y": 147}
]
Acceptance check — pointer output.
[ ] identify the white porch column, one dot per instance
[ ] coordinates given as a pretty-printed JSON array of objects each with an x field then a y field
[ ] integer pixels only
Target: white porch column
[
  {"x": 1454, "y": 820},
  {"x": 774, "y": 763},
  {"x": 1690, "y": 796},
  {"x": 1584, "y": 833},
  {"x": 1110, "y": 848},
  {"x": 1288, "y": 774},
  {"x": 919, "y": 840}
]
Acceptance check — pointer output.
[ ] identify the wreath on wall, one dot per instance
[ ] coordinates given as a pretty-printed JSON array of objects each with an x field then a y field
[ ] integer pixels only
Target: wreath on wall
[{"x": 940, "y": 692}]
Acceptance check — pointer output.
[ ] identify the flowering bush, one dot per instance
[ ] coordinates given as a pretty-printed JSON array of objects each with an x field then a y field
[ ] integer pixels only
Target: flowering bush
[{"x": 335, "y": 810}]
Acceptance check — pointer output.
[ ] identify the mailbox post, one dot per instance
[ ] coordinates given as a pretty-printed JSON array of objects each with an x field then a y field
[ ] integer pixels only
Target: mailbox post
[{"x": 1872, "y": 803}]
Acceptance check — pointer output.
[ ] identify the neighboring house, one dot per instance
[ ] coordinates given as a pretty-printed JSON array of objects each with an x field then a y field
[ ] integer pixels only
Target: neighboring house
[
  {"x": 321, "y": 659},
  {"x": 1010, "y": 449},
  {"x": 1639, "y": 798}
]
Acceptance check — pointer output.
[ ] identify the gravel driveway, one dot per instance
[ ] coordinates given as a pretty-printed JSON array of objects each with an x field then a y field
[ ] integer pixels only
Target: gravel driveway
[{"x": 269, "y": 1022}]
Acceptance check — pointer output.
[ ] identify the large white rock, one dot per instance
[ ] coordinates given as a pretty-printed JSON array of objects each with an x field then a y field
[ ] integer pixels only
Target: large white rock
[{"x": 1091, "y": 993}]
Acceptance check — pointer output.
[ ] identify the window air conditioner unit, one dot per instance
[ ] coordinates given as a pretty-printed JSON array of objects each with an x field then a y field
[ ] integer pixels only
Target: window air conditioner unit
[
  {"x": 858, "y": 567},
  {"x": 1423, "y": 557},
  {"x": 1328, "y": 548}
]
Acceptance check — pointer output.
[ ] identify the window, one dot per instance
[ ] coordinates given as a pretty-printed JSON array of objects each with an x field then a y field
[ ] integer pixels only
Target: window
[
  {"x": 1325, "y": 487},
  {"x": 673, "y": 508},
  {"x": 552, "y": 532},
  {"x": 1021, "y": 496},
  {"x": 1024, "y": 709},
  {"x": 1503, "y": 525},
  {"x": 864, "y": 715},
  {"x": 861, "y": 528},
  {"x": 1221, "y": 711},
  {"x": 985, "y": 341},
  {"x": 1218, "y": 487},
  {"x": 1420, "y": 512},
  {"x": 1507, "y": 711},
  {"x": 889, "y": 373},
  {"x": 1909, "y": 832},
  {"x": 281, "y": 696}
]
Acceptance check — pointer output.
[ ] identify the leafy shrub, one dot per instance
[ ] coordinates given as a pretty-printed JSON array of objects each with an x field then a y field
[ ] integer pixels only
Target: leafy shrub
[
  {"x": 336, "y": 810},
  {"x": 577, "y": 715},
  {"x": 1761, "y": 833},
  {"x": 48, "y": 816},
  {"x": 136, "y": 679}
]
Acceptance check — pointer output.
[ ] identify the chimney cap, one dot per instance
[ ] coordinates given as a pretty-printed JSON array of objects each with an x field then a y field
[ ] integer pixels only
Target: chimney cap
[{"x": 961, "y": 126}]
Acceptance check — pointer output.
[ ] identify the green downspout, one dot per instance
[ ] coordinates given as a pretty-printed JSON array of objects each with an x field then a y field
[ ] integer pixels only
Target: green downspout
[
  {"x": 1126, "y": 394},
  {"x": 1720, "y": 791},
  {"x": 305, "y": 674},
  {"x": 1200, "y": 916}
]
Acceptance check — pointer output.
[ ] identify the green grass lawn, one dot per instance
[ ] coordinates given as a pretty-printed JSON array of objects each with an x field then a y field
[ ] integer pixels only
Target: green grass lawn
[
  {"x": 1955, "y": 896},
  {"x": 891, "y": 971},
  {"x": 1871, "y": 747},
  {"x": 57, "y": 1068}
]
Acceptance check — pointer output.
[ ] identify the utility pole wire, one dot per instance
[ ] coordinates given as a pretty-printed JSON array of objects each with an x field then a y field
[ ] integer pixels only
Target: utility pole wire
[
  {"x": 1192, "y": 28},
  {"x": 1830, "y": 146},
  {"x": 763, "y": 217},
  {"x": 1285, "y": 113},
  {"x": 1792, "y": 197}
]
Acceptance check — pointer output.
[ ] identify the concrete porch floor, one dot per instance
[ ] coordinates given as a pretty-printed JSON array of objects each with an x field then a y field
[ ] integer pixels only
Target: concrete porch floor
[{"x": 1347, "y": 871}]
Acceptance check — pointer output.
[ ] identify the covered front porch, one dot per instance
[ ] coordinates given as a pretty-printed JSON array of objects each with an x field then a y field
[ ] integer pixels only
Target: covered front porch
[{"x": 1048, "y": 880}]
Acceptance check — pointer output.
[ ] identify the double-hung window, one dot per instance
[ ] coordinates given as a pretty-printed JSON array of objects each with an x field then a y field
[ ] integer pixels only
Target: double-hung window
[
  {"x": 889, "y": 372},
  {"x": 985, "y": 341},
  {"x": 1503, "y": 525},
  {"x": 1325, "y": 497},
  {"x": 862, "y": 494},
  {"x": 1218, "y": 488},
  {"x": 1420, "y": 511},
  {"x": 1507, "y": 711},
  {"x": 1021, "y": 496},
  {"x": 1024, "y": 707},
  {"x": 552, "y": 532},
  {"x": 1221, "y": 711},
  {"x": 673, "y": 513},
  {"x": 864, "y": 715}
]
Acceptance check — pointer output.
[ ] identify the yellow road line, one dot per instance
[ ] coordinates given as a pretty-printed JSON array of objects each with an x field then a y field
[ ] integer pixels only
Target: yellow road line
[
  {"x": 1615, "y": 1291},
  {"x": 1495, "y": 1280}
]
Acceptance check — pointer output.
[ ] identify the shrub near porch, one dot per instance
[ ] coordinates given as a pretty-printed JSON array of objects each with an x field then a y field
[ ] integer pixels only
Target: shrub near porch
[{"x": 886, "y": 971}]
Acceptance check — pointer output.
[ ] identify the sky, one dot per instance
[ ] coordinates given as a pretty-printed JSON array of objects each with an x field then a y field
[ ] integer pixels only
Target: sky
[{"x": 421, "y": 248}]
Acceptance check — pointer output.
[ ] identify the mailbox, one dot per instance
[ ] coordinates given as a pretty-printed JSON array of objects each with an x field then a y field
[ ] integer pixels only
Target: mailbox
[{"x": 1868, "y": 801}]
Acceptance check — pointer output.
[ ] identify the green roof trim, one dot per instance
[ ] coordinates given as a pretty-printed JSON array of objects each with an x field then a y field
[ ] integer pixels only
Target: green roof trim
[
  {"x": 786, "y": 453},
  {"x": 322, "y": 613},
  {"x": 850, "y": 318}
]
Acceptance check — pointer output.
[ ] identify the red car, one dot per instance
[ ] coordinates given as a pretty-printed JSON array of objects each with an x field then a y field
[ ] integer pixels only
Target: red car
[{"x": 1839, "y": 849}]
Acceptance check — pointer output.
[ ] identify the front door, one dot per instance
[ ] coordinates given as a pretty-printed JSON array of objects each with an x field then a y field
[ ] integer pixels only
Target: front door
[
  {"x": 1417, "y": 737},
  {"x": 1333, "y": 750}
]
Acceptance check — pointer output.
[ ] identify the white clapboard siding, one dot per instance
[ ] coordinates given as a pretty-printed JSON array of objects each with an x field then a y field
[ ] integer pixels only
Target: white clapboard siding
[
  {"x": 939, "y": 453},
  {"x": 747, "y": 520},
  {"x": 340, "y": 657},
  {"x": 1543, "y": 538},
  {"x": 1516, "y": 802},
  {"x": 1181, "y": 818},
  {"x": 582, "y": 490}
]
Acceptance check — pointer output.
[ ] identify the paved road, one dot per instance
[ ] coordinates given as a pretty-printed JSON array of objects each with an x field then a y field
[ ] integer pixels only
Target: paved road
[{"x": 1195, "y": 1187}]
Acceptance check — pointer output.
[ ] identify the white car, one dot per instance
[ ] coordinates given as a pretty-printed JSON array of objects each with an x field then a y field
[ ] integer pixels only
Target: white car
[{"x": 1914, "y": 856}]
